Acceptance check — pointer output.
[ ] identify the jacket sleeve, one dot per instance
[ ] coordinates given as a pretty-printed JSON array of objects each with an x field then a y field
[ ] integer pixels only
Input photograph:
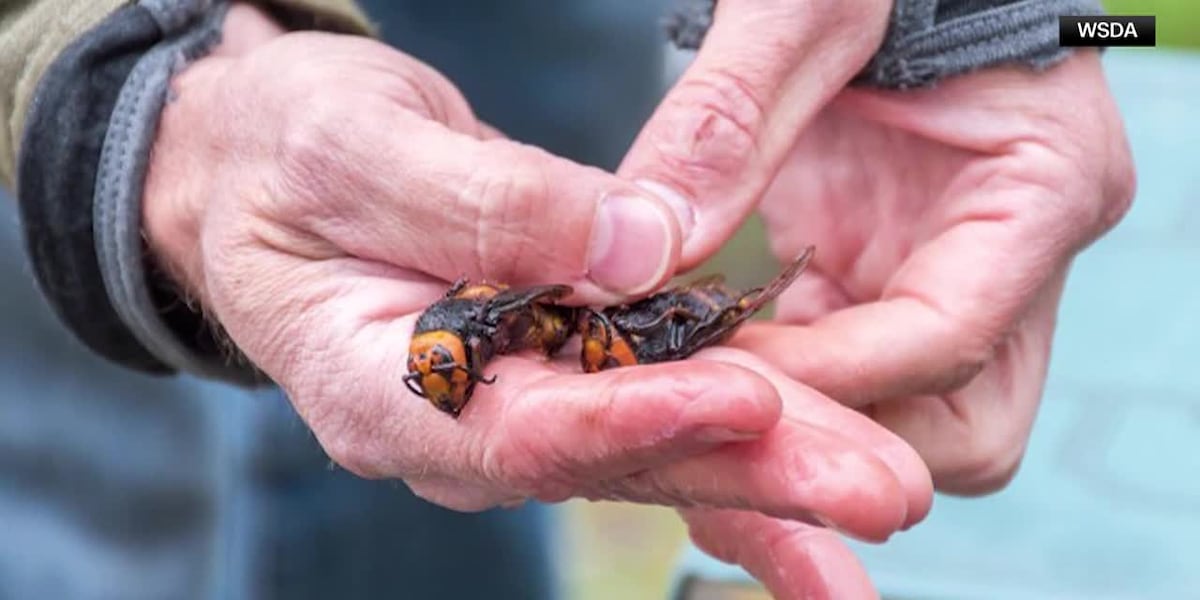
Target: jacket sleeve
[
  {"x": 33, "y": 34},
  {"x": 82, "y": 85},
  {"x": 930, "y": 40}
]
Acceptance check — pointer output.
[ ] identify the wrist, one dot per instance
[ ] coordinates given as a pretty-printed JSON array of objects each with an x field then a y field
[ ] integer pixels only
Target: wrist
[
  {"x": 181, "y": 169},
  {"x": 246, "y": 27}
]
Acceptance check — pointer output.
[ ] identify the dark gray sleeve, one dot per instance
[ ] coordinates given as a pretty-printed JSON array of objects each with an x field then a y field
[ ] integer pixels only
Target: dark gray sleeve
[
  {"x": 84, "y": 152},
  {"x": 192, "y": 28},
  {"x": 83, "y": 159},
  {"x": 930, "y": 40}
]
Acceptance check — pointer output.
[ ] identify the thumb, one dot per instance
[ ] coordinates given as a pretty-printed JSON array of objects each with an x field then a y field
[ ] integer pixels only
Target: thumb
[
  {"x": 449, "y": 204},
  {"x": 765, "y": 69}
]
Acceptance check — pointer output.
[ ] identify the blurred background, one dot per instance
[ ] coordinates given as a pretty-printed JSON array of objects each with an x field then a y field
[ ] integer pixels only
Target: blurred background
[{"x": 167, "y": 475}]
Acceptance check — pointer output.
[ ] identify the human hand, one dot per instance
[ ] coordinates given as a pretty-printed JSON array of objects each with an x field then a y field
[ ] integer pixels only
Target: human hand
[
  {"x": 948, "y": 220},
  {"x": 945, "y": 221},
  {"x": 317, "y": 192}
]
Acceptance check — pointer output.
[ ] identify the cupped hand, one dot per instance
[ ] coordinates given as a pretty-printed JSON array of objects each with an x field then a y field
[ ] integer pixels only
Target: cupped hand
[
  {"x": 945, "y": 222},
  {"x": 316, "y": 192},
  {"x": 945, "y": 219}
]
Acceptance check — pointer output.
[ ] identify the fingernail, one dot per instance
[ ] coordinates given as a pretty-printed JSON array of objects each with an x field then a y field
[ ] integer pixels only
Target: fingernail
[
  {"x": 631, "y": 245},
  {"x": 723, "y": 435},
  {"x": 684, "y": 212},
  {"x": 832, "y": 526}
]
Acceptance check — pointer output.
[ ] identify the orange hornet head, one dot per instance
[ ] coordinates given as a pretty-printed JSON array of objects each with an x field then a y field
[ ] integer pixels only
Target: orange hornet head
[
  {"x": 438, "y": 370},
  {"x": 604, "y": 346}
]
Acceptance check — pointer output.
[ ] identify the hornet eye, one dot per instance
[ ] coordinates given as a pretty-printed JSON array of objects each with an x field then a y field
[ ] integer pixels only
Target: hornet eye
[
  {"x": 442, "y": 356},
  {"x": 413, "y": 382}
]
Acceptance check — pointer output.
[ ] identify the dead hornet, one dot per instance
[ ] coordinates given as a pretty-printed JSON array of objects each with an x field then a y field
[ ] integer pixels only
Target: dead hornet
[
  {"x": 456, "y": 336},
  {"x": 675, "y": 323}
]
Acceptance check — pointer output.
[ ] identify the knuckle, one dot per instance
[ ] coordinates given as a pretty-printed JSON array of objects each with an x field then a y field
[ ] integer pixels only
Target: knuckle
[
  {"x": 313, "y": 172},
  {"x": 451, "y": 497},
  {"x": 503, "y": 195},
  {"x": 1077, "y": 198},
  {"x": 1080, "y": 188},
  {"x": 308, "y": 140},
  {"x": 517, "y": 465},
  {"x": 1120, "y": 190},
  {"x": 430, "y": 492},
  {"x": 418, "y": 88},
  {"x": 969, "y": 345},
  {"x": 716, "y": 121},
  {"x": 630, "y": 413},
  {"x": 850, "y": 15},
  {"x": 963, "y": 369},
  {"x": 1043, "y": 173},
  {"x": 351, "y": 453},
  {"x": 555, "y": 493},
  {"x": 651, "y": 487},
  {"x": 717, "y": 543},
  {"x": 986, "y": 463}
]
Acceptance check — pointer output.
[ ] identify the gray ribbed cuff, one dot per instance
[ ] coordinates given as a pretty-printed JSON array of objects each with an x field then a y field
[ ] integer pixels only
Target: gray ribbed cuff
[
  {"x": 930, "y": 40},
  {"x": 191, "y": 28}
]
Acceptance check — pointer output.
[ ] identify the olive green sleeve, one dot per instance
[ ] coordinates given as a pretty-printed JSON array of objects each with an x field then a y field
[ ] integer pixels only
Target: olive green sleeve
[
  {"x": 34, "y": 32},
  {"x": 330, "y": 15}
]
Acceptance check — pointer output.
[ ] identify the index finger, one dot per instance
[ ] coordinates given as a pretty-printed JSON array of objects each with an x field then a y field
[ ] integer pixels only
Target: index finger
[
  {"x": 929, "y": 304},
  {"x": 720, "y": 135}
]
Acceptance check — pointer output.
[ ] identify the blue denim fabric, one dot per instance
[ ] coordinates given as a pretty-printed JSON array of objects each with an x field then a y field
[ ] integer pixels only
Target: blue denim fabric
[
  {"x": 577, "y": 78},
  {"x": 117, "y": 485}
]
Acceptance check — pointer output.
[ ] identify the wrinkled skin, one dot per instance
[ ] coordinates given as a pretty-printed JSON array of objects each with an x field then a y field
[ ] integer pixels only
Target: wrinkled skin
[
  {"x": 946, "y": 222},
  {"x": 946, "y": 219},
  {"x": 280, "y": 197}
]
